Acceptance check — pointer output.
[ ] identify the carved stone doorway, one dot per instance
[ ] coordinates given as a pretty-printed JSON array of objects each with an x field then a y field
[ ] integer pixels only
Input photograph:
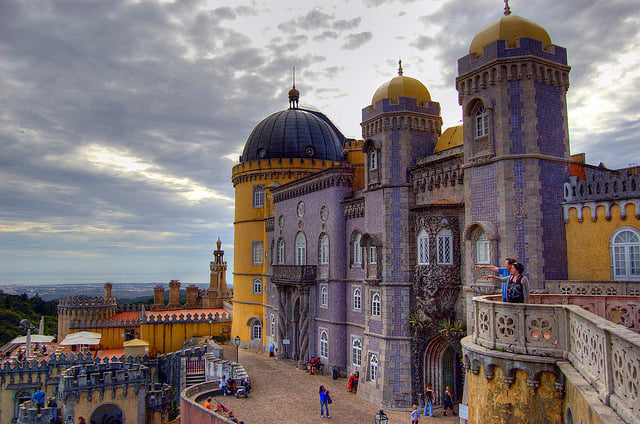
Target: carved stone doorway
[{"x": 442, "y": 367}]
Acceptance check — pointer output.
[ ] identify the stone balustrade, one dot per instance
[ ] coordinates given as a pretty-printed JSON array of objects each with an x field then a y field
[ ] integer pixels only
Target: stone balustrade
[
  {"x": 607, "y": 355},
  {"x": 581, "y": 287},
  {"x": 191, "y": 411}
]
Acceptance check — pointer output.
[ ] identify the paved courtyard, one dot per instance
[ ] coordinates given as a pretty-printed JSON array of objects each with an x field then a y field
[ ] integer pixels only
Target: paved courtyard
[{"x": 282, "y": 393}]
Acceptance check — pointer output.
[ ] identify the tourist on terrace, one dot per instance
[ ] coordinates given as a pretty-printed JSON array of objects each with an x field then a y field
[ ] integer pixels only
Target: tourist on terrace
[
  {"x": 502, "y": 272},
  {"x": 448, "y": 402},
  {"x": 223, "y": 385},
  {"x": 324, "y": 401},
  {"x": 39, "y": 398},
  {"x": 517, "y": 284},
  {"x": 429, "y": 397},
  {"x": 415, "y": 415},
  {"x": 352, "y": 383},
  {"x": 207, "y": 404}
]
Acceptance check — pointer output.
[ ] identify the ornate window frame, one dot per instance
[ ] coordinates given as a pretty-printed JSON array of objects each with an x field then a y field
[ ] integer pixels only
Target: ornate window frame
[
  {"x": 258, "y": 196},
  {"x": 625, "y": 254},
  {"x": 257, "y": 253},
  {"x": 323, "y": 344}
]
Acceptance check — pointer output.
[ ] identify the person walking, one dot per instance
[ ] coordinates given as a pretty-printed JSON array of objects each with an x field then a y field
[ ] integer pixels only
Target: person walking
[
  {"x": 415, "y": 415},
  {"x": 429, "y": 396},
  {"x": 448, "y": 402},
  {"x": 324, "y": 401}
]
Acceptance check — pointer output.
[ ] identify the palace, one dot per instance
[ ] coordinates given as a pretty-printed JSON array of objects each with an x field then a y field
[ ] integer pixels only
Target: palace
[{"x": 363, "y": 252}]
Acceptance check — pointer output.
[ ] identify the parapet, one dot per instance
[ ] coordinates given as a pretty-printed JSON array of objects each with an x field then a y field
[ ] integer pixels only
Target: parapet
[
  {"x": 83, "y": 302},
  {"x": 602, "y": 186},
  {"x": 28, "y": 414},
  {"x": 101, "y": 377}
]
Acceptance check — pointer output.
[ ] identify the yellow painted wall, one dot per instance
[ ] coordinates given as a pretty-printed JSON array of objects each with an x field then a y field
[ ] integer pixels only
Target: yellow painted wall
[
  {"x": 580, "y": 409},
  {"x": 588, "y": 242},
  {"x": 165, "y": 338},
  {"x": 493, "y": 402},
  {"x": 128, "y": 404},
  {"x": 249, "y": 227},
  {"x": 7, "y": 394}
]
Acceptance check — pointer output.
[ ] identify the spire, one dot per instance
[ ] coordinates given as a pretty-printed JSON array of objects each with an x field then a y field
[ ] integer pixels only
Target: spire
[
  {"x": 294, "y": 95},
  {"x": 507, "y": 9},
  {"x": 400, "y": 67}
]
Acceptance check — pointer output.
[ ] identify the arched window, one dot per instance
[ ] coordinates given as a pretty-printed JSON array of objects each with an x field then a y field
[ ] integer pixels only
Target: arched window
[
  {"x": 301, "y": 249},
  {"x": 280, "y": 252},
  {"x": 257, "y": 253},
  {"x": 256, "y": 330},
  {"x": 357, "y": 299},
  {"x": 324, "y": 296},
  {"x": 257, "y": 286},
  {"x": 357, "y": 249},
  {"x": 324, "y": 344},
  {"x": 373, "y": 159},
  {"x": 258, "y": 196},
  {"x": 423, "y": 247},
  {"x": 373, "y": 367},
  {"x": 373, "y": 255},
  {"x": 625, "y": 254},
  {"x": 444, "y": 247},
  {"x": 356, "y": 352},
  {"x": 483, "y": 251},
  {"x": 375, "y": 305},
  {"x": 323, "y": 254},
  {"x": 482, "y": 122}
]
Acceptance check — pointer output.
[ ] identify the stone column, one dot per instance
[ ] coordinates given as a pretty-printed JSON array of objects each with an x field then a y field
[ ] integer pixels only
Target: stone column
[
  {"x": 282, "y": 323},
  {"x": 174, "y": 295},
  {"x": 192, "y": 296},
  {"x": 107, "y": 290},
  {"x": 158, "y": 298},
  {"x": 304, "y": 328}
]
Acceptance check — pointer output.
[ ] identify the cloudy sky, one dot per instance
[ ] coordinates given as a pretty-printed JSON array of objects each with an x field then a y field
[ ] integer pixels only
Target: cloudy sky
[{"x": 120, "y": 120}]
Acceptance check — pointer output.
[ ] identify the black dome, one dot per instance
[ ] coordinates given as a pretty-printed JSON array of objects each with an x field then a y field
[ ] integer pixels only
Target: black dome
[{"x": 294, "y": 133}]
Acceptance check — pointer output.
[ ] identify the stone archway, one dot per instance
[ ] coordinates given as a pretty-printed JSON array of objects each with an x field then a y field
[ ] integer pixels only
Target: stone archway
[
  {"x": 107, "y": 413},
  {"x": 442, "y": 368}
]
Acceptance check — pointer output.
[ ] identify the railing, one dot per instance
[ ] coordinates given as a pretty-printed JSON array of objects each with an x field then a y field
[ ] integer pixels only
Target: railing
[
  {"x": 294, "y": 273},
  {"x": 194, "y": 366},
  {"x": 596, "y": 288},
  {"x": 606, "y": 354}
]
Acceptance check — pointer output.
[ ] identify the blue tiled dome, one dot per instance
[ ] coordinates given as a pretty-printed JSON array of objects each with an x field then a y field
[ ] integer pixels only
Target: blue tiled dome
[{"x": 294, "y": 133}]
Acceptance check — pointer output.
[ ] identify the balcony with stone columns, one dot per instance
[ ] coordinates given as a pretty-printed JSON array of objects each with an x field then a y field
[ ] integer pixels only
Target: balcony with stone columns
[
  {"x": 294, "y": 274},
  {"x": 587, "y": 349}
]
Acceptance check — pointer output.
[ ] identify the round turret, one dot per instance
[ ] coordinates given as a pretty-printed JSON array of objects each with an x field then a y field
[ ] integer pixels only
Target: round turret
[
  {"x": 294, "y": 133},
  {"x": 401, "y": 86},
  {"x": 509, "y": 27}
]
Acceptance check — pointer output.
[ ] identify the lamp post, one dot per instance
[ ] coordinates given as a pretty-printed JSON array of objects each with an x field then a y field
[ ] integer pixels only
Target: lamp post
[
  {"x": 237, "y": 343},
  {"x": 381, "y": 418}
]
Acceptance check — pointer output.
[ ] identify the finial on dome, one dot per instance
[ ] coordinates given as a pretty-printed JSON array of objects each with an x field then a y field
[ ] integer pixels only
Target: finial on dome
[
  {"x": 218, "y": 243},
  {"x": 400, "y": 67},
  {"x": 294, "y": 95},
  {"x": 507, "y": 9}
]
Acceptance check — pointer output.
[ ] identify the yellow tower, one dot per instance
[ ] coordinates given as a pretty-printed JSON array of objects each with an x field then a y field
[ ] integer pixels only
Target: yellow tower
[{"x": 285, "y": 146}]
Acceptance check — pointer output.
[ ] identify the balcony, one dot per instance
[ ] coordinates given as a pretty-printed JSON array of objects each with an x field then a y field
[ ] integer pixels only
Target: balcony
[
  {"x": 294, "y": 274},
  {"x": 607, "y": 355}
]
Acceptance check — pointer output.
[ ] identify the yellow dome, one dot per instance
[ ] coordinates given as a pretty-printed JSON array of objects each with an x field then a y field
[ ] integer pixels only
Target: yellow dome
[
  {"x": 451, "y": 137},
  {"x": 508, "y": 27},
  {"x": 401, "y": 86}
]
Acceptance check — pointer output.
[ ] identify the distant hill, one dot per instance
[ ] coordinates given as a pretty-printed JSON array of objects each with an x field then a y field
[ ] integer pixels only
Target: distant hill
[
  {"x": 124, "y": 292},
  {"x": 14, "y": 308}
]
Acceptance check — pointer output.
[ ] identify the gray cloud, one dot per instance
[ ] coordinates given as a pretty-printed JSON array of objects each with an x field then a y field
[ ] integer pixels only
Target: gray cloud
[
  {"x": 355, "y": 41},
  {"x": 326, "y": 35}
]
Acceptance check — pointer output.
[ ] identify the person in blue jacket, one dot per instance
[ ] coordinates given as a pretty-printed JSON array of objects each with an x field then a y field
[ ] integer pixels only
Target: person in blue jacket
[
  {"x": 324, "y": 401},
  {"x": 503, "y": 272}
]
